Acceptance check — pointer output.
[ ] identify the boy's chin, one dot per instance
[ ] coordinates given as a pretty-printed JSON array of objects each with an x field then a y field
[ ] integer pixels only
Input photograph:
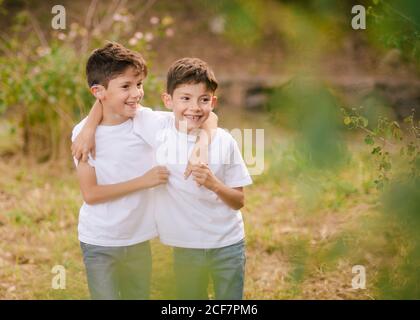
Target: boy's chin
[
  {"x": 195, "y": 125},
  {"x": 191, "y": 127},
  {"x": 130, "y": 114}
]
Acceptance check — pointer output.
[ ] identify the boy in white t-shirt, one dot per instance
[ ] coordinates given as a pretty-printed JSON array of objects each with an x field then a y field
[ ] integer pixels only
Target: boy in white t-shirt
[
  {"x": 116, "y": 219},
  {"x": 199, "y": 214}
]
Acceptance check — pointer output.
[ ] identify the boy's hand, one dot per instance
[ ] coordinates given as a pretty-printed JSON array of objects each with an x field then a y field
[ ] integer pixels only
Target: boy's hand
[
  {"x": 205, "y": 177},
  {"x": 200, "y": 154},
  {"x": 155, "y": 176},
  {"x": 85, "y": 141},
  {"x": 83, "y": 145}
]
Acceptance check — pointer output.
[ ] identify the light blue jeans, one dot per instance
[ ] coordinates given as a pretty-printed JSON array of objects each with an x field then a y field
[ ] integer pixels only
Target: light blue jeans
[
  {"x": 225, "y": 266},
  {"x": 115, "y": 273}
]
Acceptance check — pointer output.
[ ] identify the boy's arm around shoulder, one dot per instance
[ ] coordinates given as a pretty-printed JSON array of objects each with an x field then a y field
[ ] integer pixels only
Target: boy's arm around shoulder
[
  {"x": 200, "y": 152},
  {"x": 84, "y": 143},
  {"x": 209, "y": 128}
]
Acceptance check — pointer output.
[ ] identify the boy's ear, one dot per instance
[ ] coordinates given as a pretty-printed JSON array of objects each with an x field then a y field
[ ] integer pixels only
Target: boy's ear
[
  {"x": 213, "y": 102},
  {"x": 167, "y": 100},
  {"x": 98, "y": 91}
]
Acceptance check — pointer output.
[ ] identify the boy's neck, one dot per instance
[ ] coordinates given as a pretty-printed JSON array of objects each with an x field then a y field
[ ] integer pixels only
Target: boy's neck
[{"x": 110, "y": 118}]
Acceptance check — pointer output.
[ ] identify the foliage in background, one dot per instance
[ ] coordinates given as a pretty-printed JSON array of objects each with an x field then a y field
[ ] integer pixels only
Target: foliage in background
[
  {"x": 395, "y": 24},
  {"x": 43, "y": 77},
  {"x": 396, "y": 148},
  {"x": 46, "y": 86},
  {"x": 311, "y": 112},
  {"x": 302, "y": 24}
]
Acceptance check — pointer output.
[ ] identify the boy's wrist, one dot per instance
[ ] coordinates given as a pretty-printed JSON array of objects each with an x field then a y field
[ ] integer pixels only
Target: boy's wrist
[
  {"x": 89, "y": 129},
  {"x": 202, "y": 139},
  {"x": 216, "y": 187},
  {"x": 141, "y": 183}
]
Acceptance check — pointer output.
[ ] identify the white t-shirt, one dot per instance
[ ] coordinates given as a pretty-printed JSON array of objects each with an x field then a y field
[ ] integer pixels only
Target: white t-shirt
[
  {"x": 186, "y": 215},
  {"x": 121, "y": 155}
]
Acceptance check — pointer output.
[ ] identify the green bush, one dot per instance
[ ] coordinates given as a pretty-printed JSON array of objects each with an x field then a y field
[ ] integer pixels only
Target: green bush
[{"x": 44, "y": 77}]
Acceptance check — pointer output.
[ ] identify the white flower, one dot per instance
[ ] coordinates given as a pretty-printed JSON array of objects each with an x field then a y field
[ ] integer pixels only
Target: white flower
[
  {"x": 72, "y": 34},
  {"x": 138, "y": 35},
  {"x": 217, "y": 24},
  {"x": 148, "y": 37},
  {"x": 154, "y": 20},
  {"x": 61, "y": 36},
  {"x": 132, "y": 41},
  {"x": 169, "y": 32},
  {"x": 52, "y": 99},
  {"x": 117, "y": 17}
]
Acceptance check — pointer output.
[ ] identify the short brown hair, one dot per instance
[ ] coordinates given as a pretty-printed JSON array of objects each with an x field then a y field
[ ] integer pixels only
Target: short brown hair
[
  {"x": 190, "y": 70},
  {"x": 113, "y": 59}
]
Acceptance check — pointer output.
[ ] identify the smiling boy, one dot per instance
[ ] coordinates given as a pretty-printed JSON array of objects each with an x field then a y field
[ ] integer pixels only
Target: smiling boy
[
  {"x": 199, "y": 216},
  {"x": 116, "y": 219}
]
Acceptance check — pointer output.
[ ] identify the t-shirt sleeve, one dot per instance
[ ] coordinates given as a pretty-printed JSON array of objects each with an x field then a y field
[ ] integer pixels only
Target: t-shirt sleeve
[
  {"x": 148, "y": 124},
  {"x": 236, "y": 172}
]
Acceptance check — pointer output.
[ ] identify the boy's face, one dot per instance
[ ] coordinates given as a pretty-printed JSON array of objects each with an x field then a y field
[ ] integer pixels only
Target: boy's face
[
  {"x": 124, "y": 92},
  {"x": 191, "y": 102}
]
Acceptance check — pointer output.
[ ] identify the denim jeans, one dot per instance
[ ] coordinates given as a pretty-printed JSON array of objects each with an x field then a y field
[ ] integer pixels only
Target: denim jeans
[
  {"x": 115, "y": 273},
  {"x": 224, "y": 266}
]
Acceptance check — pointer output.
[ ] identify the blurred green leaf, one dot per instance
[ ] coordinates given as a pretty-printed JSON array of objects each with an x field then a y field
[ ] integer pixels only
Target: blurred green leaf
[{"x": 369, "y": 140}]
